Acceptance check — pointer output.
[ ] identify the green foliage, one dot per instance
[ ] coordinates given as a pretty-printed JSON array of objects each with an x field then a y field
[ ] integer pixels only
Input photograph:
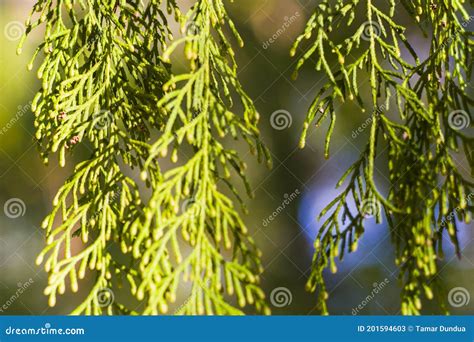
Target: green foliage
[
  {"x": 108, "y": 89},
  {"x": 200, "y": 115},
  {"x": 418, "y": 109}
]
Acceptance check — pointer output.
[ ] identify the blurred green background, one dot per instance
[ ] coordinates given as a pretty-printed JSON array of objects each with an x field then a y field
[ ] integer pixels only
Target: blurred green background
[{"x": 304, "y": 176}]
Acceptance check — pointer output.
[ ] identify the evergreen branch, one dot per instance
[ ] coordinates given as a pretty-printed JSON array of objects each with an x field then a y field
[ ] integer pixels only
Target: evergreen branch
[
  {"x": 101, "y": 78},
  {"x": 424, "y": 177},
  {"x": 108, "y": 87},
  {"x": 187, "y": 200}
]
